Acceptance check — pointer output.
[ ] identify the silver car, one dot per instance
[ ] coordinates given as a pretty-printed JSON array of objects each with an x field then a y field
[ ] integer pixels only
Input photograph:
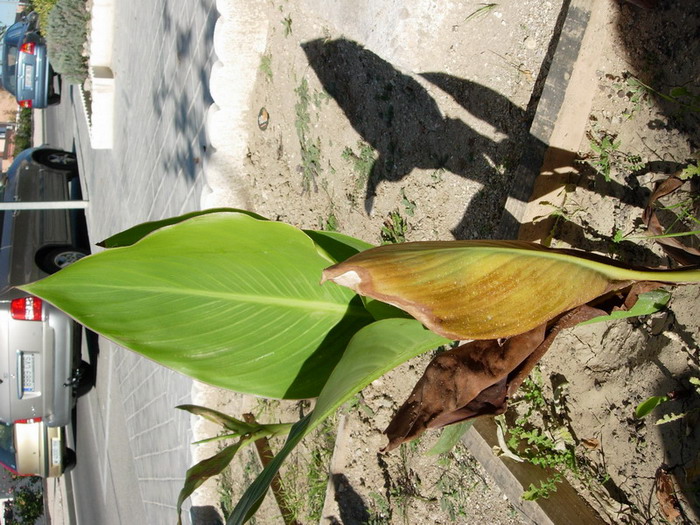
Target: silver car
[{"x": 40, "y": 368}]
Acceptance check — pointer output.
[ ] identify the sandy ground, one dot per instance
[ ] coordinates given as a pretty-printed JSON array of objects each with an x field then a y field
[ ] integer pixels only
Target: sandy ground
[{"x": 406, "y": 121}]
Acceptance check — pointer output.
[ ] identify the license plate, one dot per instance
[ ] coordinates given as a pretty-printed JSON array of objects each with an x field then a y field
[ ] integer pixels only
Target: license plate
[
  {"x": 28, "y": 77},
  {"x": 28, "y": 372},
  {"x": 55, "y": 452}
]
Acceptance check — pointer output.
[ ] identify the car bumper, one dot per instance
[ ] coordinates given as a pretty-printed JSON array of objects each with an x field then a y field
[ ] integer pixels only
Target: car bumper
[{"x": 60, "y": 399}]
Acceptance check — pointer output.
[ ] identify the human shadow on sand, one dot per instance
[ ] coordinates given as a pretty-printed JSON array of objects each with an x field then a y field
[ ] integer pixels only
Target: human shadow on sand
[{"x": 399, "y": 118}]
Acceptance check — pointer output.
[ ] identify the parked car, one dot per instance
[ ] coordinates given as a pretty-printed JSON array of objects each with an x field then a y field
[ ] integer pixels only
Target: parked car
[
  {"x": 30, "y": 448},
  {"x": 40, "y": 367},
  {"x": 26, "y": 72}
]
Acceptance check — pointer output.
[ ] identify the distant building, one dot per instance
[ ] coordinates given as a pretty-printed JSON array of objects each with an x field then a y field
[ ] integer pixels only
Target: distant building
[{"x": 8, "y": 116}]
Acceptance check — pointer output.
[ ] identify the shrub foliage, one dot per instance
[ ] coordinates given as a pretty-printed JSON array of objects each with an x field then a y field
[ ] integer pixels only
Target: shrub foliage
[{"x": 66, "y": 34}]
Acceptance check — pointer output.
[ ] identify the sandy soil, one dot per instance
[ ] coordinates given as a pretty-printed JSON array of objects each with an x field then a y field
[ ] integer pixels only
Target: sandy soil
[{"x": 415, "y": 135}]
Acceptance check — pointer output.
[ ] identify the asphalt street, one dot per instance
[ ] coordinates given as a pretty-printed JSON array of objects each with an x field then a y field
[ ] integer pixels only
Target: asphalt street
[{"x": 132, "y": 444}]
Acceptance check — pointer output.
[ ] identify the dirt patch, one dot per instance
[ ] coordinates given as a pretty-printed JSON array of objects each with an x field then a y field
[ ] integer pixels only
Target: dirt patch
[
  {"x": 417, "y": 135},
  {"x": 643, "y": 127}
]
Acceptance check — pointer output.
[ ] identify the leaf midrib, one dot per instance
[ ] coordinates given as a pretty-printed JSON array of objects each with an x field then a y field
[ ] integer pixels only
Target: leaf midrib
[{"x": 312, "y": 305}]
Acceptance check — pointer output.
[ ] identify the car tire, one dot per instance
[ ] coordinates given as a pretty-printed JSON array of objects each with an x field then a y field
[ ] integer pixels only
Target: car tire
[
  {"x": 69, "y": 460},
  {"x": 86, "y": 379},
  {"x": 56, "y": 258},
  {"x": 56, "y": 159},
  {"x": 54, "y": 99}
]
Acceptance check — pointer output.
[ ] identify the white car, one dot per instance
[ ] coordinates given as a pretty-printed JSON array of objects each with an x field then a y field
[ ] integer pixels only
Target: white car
[{"x": 30, "y": 448}]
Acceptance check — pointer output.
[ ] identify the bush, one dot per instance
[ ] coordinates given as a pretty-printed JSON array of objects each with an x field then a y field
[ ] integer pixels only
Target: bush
[
  {"x": 23, "y": 133},
  {"x": 28, "y": 504},
  {"x": 43, "y": 7},
  {"x": 66, "y": 34}
]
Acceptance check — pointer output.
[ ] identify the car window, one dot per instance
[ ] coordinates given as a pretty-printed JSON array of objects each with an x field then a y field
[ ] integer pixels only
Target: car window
[
  {"x": 9, "y": 68},
  {"x": 7, "y": 449}
]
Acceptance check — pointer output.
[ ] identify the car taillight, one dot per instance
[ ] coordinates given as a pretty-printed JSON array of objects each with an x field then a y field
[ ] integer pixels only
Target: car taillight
[
  {"x": 27, "y": 421},
  {"x": 27, "y": 309},
  {"x": 25, "y": 103},
  {"x": 27, "y": 47}
]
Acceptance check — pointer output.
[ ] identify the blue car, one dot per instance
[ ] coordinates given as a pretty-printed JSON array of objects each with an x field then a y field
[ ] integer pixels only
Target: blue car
[{"x": 26, "y": 72}]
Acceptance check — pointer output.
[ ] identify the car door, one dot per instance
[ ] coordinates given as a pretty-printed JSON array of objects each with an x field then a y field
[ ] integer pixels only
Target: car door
[{"x": 35, "y": 229}]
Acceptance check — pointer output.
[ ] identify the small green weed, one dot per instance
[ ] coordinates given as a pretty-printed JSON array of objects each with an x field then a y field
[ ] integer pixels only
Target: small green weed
[
  {"x": 457, "y": 482},
  {"x": 691, "y": 170},
  {"x": 607, "y": 156},
  {"x": 305, "y": 482},
  {"x": 287, "y": 25},
  {"x": 482, "y": 11},
  {"x": 551, "y": 449},
  {"x": 409, "y": 206},
  {"x": 648, "y": 405},
  {"x": 380, "y": 510},
  {"x": 266, "y": 66},
  {"x": 329, "y": 224},
  {"x": 310, "y": 149},
  {"x": 637, "y": 93},
  {"x": 605, "y": 148},
  {"x": 545, "y": 489},
  {"x": 394, "y": 228},
  {"x": 361, "y": 162},
  {"x": 680, "y": 95}
]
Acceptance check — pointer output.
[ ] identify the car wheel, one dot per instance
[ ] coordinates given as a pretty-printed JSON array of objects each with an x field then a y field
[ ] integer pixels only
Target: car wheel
[
  {"x": 57, "y": 258},
  {"x": 69, "y": 460},
  {"x": 56, "y": 159},
  {"x": 54, "y": 99},
  {"x": 86, "y": 379}
]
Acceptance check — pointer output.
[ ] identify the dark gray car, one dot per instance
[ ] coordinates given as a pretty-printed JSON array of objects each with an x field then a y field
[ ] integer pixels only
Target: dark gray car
[{"x": 39, "y": 345}]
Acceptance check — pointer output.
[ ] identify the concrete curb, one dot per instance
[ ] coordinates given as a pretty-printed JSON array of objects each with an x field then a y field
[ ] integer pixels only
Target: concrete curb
[{"x": 100, "y": 115}]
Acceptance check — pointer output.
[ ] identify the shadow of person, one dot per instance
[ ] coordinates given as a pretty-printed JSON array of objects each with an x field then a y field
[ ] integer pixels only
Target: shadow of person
[{"x": 399, "y": 118}]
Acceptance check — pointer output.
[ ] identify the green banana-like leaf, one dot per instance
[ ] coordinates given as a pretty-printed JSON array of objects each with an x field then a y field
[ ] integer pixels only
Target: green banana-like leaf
[
  {"x": 205, "y": 469},
  {"x": 225, "y": 298},
  {"x": 335, "y": 245},
  {"x": 373, "y": 351},
  {"x": 138, "y": 232},
  {"x": 487, "y": 289},
  {"x": 449, "y": 437}
]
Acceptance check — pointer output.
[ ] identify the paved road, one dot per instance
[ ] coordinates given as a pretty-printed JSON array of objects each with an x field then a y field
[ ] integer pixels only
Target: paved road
[{"x": 133, "y": 446}]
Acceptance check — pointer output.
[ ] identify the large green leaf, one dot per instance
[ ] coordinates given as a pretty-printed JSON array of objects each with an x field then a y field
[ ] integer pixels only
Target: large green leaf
[
  {"x": 224, "y": 297},
  {"x": 487, "y": 289},
  {"x": 373, "y": 351},
  {"x": 138, "y": 232},
  {"x": 334, "y": 245}
]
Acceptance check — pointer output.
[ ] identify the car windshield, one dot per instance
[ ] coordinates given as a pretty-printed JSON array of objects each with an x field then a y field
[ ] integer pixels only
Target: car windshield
[
  {"x": 7, "y": 448},
  {"x": 9, "y": 67}
]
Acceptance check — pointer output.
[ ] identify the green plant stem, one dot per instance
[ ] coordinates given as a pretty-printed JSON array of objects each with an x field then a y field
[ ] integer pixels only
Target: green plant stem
[
  {"x": 262, "y": 445},
  {"x": 664, "y": 235},
  {"x": 668, "y": 98}
]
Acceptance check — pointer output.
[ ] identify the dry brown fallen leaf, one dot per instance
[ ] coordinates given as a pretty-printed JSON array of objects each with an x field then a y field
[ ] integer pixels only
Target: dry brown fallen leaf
[
  {"x": 666, "y": 494},
  {"x": 673, "y": 247}
]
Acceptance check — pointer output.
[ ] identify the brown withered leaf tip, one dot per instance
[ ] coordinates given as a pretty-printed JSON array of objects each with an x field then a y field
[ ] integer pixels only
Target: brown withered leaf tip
[{"x": 479, "y": 377}]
